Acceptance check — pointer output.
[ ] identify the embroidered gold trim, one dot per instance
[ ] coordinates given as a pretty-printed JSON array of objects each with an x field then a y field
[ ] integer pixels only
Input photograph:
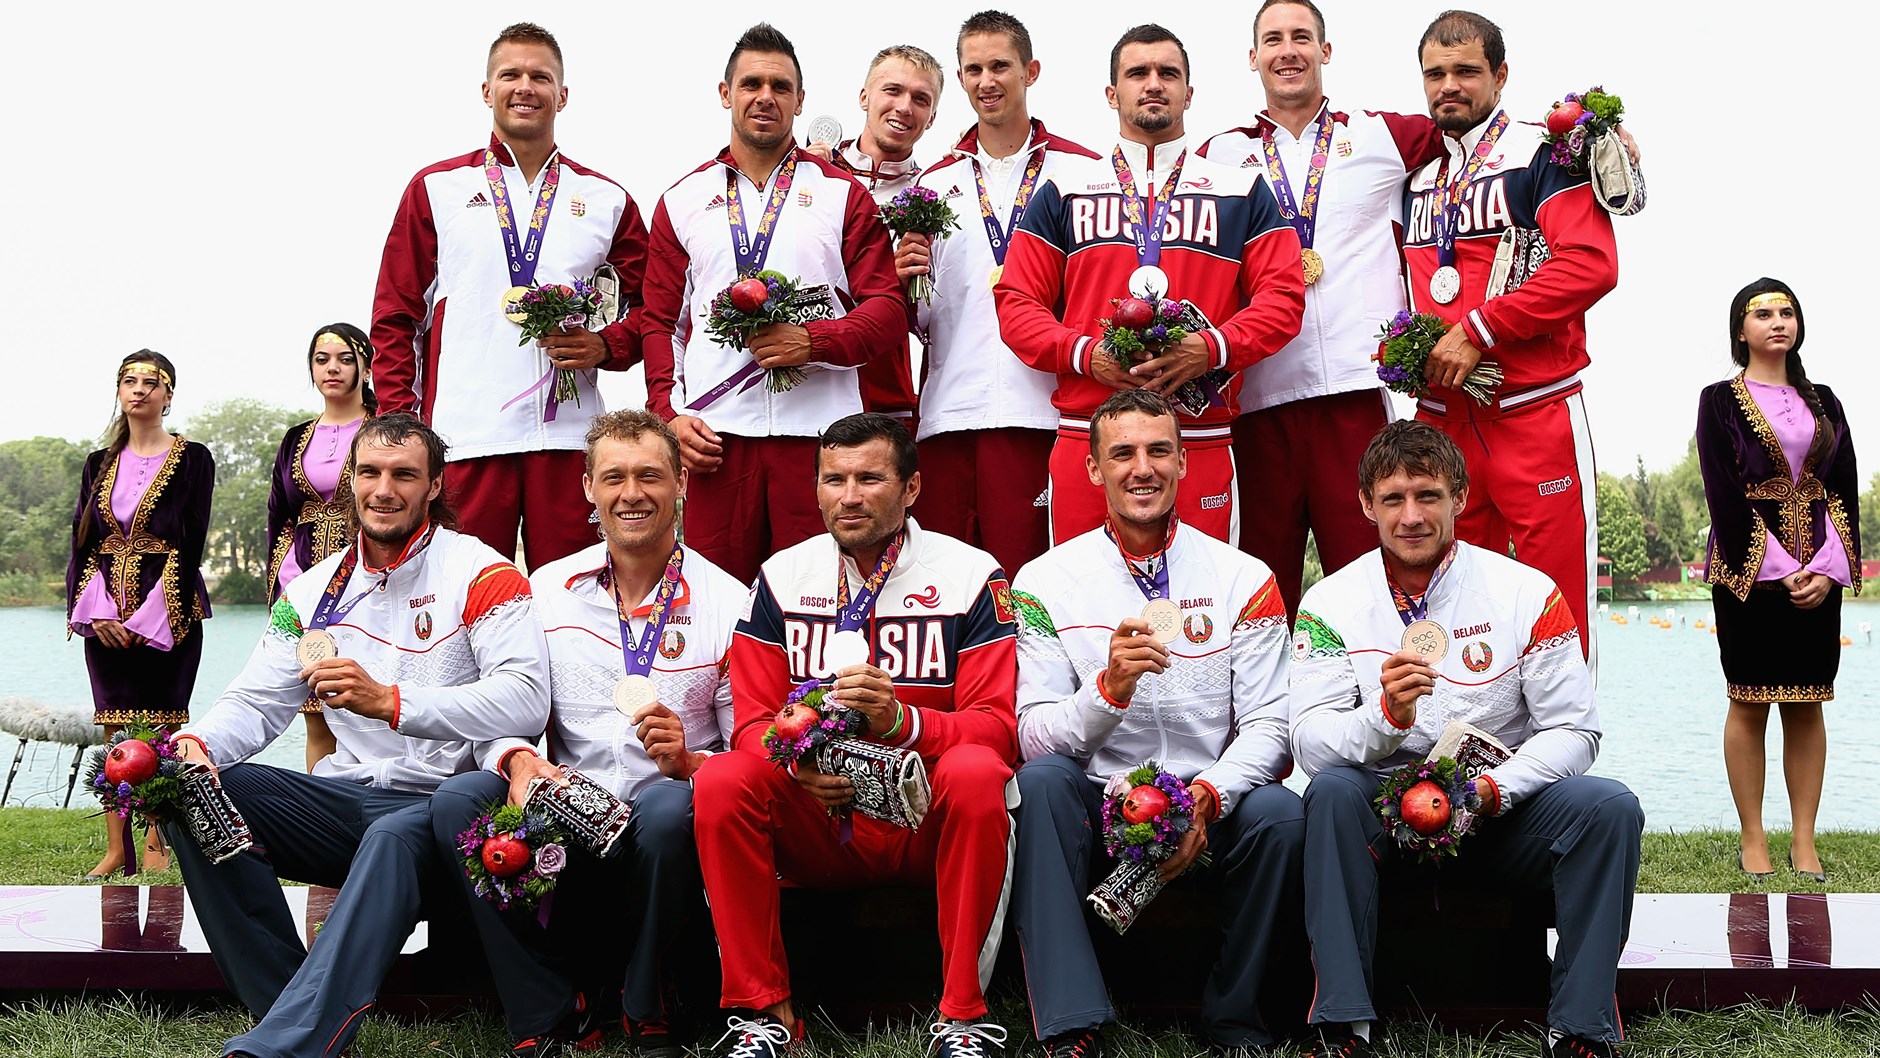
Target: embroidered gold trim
[
  {"x": 1819, "y": 692},
  {"x": 153, "y": 717},
  {"x": 1838, "y": 515},
  {"x": 1740, "y": 582},
  {"x": 333, "y": 520},
  {"x": 127, "y": 549}
]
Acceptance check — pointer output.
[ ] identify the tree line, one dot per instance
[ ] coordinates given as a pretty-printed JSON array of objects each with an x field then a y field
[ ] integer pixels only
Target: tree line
[{"x": 1648, "y": 520}]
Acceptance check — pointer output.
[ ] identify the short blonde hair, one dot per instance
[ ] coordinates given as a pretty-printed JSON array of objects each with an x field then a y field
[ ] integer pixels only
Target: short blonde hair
[{"x": 918, "y": 58}]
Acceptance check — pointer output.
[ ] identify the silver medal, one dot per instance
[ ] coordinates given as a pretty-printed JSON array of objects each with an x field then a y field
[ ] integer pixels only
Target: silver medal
[
  {"x": 845, "y": 650},
  {"x": 1148, "y": 283},
  {"x": 824, "y": 129},
  {"x": 1445, "y": 284}
]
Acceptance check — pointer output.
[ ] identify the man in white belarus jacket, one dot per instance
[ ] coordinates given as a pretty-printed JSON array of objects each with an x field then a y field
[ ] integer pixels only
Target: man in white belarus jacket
[
  {"x": 1098, "y": 695},
  {"x": 1364, "y": 704},
  {"x": 676, "y": 613},
  {"x": 438, "y": 656}
]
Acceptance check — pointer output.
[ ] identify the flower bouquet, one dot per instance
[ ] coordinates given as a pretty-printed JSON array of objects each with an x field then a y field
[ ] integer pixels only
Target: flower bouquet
[
  {"x": 550, "y": 307},
  {"x": 1583, "y": 130},
  {"x": 1146, "y": 812},
  {"x": 920, "y": 211},
  {"x": 1140, "y": 329},
  {"x": 1428, "y": 806},
  {"x": 756, "y": 301},
  {"x": 513, "y": 856},
  {"x": 890, "y": 783},
  {"x": 138, "y": 772},
  {"x": 1403, "y": 353}
]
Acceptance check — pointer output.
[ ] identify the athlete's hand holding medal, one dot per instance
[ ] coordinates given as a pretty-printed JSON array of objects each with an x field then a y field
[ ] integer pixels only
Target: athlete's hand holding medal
[{"x": 336, "y": 681}]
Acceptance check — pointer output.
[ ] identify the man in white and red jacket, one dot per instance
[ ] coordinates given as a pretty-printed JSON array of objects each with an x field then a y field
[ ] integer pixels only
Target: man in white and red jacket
[
  {"x": 1099, "y": 696},
  {"x": 1223, "y": 246},
  {"x": 898, "y": 100},
  {"x": 1493, "y": 191},
  {"x": 1307, "y": 412},
  {"x": 937, "y": 630},
  {"x": 762, "y": 204},
  {"x": 981, "y": 406},
  {"x": 439, "y": 657},
  {"x": 468, "y": 231},
  {"x": 1364, "y": 704}
]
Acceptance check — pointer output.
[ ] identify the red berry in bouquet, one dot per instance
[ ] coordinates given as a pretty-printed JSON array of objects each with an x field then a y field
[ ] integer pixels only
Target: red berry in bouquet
[
  {"x": 131, "y": 761},
  {"x": 1134, "y": 313},
  {"x": 749, "y": 295},
  {"x": 1144, "y": 803},
  {"x": 1563, "y": 117},
  {"x": 1426, "y": 808},
  {"x": 795, "y": 719},
  {"x": 505, "y": 856}
]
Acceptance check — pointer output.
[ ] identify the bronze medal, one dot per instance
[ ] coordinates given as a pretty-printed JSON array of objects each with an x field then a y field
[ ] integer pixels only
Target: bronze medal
[
  {"x": 1165, "y": 619},
  {"x": 1428, "y": 639},
  {"x": 315, "y": 646}
]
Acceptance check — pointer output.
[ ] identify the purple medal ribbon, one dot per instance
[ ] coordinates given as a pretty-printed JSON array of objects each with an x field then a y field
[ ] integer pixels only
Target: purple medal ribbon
[
  {"x": 1027, "y": 184},
  {"x": 523, "y": 256},
  {"x": 1449, "y": 193},
  {"x": 328, "y": 611},
  {"x": 1413, "y": 610},
  {"x": 638, "y": 657},
  {"x": 752, "y": 251},
  {"x": 1148, "y": 236},
  {"x": 1153, "y": 582},
  {"x": 1303, "y": 215},
  {"x": 851, "y": 615}
]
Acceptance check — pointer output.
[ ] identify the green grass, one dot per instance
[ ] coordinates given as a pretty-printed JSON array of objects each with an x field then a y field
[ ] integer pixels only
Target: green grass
[
  {"x": 80, "y": 1028},
  {"x": 41, "y": 846}
]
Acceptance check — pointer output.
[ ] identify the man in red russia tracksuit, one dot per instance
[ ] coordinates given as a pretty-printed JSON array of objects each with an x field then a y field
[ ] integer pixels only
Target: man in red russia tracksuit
[
  {"x": 1530, "y": 453},
  {"x": 941, "y": 681},
  {"x": 1221, "y": 245},
  {"x": 762, "y": 204},
  {"x": 469, "y": 230}
]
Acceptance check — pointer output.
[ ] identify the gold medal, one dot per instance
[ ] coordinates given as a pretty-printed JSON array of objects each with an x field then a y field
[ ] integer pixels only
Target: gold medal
[
  {"x": 992, "y": 278},
  {"x": 315, "y": 646},
  {"x": 1427, "y": 638},
  {"x": 1165, "y": 619},
  {"x": 1313, "y": 264},
  {"x": 634, "y": 693},
  {"x": 512, "y": 308}
]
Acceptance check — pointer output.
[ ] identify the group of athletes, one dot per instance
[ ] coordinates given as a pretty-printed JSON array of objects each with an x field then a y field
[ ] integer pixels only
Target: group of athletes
[{"x": 1146, "y": 615}]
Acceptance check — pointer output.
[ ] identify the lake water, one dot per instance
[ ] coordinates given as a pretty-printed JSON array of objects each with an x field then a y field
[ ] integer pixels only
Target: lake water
[{"x": 1661, "y": 703}]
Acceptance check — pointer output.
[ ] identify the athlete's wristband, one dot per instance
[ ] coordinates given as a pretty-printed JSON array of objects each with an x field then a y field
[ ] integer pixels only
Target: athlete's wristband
[{"x": 900, "y": 720}]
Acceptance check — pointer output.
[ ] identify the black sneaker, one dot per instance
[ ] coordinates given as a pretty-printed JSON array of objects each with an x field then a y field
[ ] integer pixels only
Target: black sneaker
[
  {"x": 1080, "y": 1044},
  {"x": 1579, "y": 1047},
  {"x": 1337, "y": 1041},
  {"x": 758, "y": 1036},
  {"x": 965, "y": 1039},
  {"x": 579, "y": 1031},
  {"x": 652, "y": 1038}
]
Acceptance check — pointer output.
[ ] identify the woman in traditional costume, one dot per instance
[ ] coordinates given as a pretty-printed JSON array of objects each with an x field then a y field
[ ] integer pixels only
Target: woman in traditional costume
[
  {"x": 133, "y": 587},
  {"x": 1780, "y": 481},
  {"x": 310, "y": 503}
]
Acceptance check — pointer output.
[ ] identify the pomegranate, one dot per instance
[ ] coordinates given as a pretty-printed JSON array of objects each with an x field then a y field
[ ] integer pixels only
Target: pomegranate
[
  {"x": 132, "y": 760},
  {"x": 1144, "y": 803},
  {"x": 505, "y": 857},
  {"x": 1426, "y": 808}
]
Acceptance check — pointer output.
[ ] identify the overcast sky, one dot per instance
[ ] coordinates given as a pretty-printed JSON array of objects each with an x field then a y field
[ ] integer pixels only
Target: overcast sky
[{"x": 215, "y": 182}]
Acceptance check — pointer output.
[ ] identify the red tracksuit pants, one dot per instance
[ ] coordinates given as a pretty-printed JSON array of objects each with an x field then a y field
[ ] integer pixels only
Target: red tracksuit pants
[
  {"x": 990, "y": 488},
  {"x": 1531, "y": 484},
  {"x": 538, "y": 491},
  {"x": 758, "y": 501},
  {"x": 1204, "y": 499},
  {"x": 754, "y": 822}
]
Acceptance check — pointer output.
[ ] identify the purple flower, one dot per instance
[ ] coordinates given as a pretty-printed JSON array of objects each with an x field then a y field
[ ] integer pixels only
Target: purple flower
[
  {"x": 1170, "y": 310},
  {"x": 1584, "y": 118},
  {"x": 550, "y": 859},
  {"x": 1576, "y": 139},
  {"x": 802, "y": 690},
  {"x": 124, "y": 789},
  {"x": 1156, "y": 333}
]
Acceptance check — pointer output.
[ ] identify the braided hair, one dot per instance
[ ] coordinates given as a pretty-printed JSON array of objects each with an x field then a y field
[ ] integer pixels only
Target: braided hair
[{"x": 1798, "y": 377}]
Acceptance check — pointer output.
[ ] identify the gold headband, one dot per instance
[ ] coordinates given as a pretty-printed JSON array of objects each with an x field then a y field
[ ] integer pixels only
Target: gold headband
[
  {"x": 340, "y": 338},
  {"x": 148, "y": 368},
  {"x": 1771, "y": 300}
]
